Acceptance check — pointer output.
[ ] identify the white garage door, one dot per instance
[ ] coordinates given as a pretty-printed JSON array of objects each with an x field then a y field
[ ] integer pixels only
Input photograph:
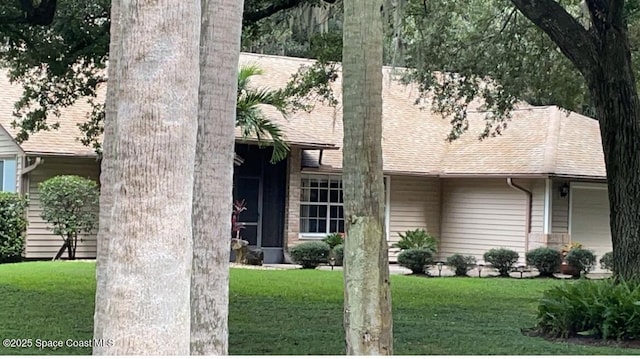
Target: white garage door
[{"x": 590, "y": 218}]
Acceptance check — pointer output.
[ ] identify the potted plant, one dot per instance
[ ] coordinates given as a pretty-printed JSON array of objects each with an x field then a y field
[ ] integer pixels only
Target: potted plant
[{"x": 566, "y": 268}]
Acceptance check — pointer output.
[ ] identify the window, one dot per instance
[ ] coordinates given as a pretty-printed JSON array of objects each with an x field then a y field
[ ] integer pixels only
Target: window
[
  {"x": 8, "y": 175},
  {"x": 321, "y": 210},
  {"x": 321, "y": 204}
]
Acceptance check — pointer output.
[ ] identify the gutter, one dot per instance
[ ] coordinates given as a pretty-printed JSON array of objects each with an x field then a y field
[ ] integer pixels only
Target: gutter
[
  {"x": 529, "y": 210},
  {"x": 32, "y": 167}
]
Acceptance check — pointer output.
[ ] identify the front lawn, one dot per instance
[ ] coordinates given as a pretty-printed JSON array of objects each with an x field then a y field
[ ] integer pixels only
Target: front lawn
[{"x": 299, "y": 312}]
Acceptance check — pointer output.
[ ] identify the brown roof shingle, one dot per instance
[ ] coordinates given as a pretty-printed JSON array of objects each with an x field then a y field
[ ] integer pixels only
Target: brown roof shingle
[{"x": 538, "y": 140}]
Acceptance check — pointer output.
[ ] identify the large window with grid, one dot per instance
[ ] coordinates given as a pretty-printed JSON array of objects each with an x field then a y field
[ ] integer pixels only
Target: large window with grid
[{"x": 321, "y": 209}]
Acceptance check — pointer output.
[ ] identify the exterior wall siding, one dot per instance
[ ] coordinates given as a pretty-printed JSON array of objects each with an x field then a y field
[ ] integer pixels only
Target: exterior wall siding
[
  {"x": 480, "y": 214},
  {"x": 560, "y": 210},
  {"x": 414, "y": 203},
  {"x": 41, "y": 242},
  {"x": 11, "y": 151},
  {"x": 537, "y": 188}
]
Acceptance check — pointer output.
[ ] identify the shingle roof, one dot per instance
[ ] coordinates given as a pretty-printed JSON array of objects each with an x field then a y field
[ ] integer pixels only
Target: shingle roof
[{"x": 538, "y": 140}]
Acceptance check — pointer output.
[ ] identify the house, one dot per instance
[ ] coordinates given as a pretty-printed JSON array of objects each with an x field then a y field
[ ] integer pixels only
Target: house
[{"x": 542, "y": 183}]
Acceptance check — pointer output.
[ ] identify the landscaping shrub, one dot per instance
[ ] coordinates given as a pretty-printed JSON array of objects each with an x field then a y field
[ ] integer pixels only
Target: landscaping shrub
[
  {"x": 581, "y": 259},
  {"x": 310, "y": 254},
  {"x": 13, "y": 226},
  {"x": 501, "y": 259},
  {"x": 417, "y": 238},
  {"x": 606, "y": 262},
  {"x": 333, "y": 239},
  {"x": 70, "y": 205},
  {"x": 338, "y": 253},
  {"x": 602, "y": 308},
  {"x": 461, "y": 264},
  {"x": 546, "y": 260},
  {"x": 415, "y": 259}
]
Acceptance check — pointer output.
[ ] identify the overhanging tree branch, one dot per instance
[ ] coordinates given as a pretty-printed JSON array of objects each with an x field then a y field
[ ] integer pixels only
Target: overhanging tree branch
[
  {"x": 572, "y": 38},
  {"x": 255, "y": 16}
]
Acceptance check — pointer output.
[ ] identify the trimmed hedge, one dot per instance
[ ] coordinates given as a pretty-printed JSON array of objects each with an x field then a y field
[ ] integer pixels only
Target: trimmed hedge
[
  {"x": 546, "y": 260},
  {"x": 581, "y": 259},
  {"x": 310, "y": 254},
  {"x": 501, "y": 259},
  {"x": 415, "y": 259},
  {"x": 13, "y": 226},
  {"x": 461, "y": 264},
  {"x": 606, "y": 262}
]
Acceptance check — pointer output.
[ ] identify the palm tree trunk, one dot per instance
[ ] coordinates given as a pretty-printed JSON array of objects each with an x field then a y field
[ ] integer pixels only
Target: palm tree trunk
[
  {"x": 212, "y": 202},
  {"x": 368, "y": 324},
  {"x": 150, "y": 159}
]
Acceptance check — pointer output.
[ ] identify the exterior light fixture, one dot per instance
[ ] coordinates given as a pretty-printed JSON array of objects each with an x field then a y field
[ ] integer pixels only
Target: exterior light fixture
[
  {"x": 332, "y": 262},
  {"x": 440, "y": 264},
  {"x": 521, "y": 269},
  {"x": 564, "y": 190},
  {"x": 480, "y": 266}
]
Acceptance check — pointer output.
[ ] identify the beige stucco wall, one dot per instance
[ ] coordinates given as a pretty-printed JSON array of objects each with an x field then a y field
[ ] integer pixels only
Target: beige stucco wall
[
  {"x": 41, "y": 242},
  {"x": 480, "y": 214}
]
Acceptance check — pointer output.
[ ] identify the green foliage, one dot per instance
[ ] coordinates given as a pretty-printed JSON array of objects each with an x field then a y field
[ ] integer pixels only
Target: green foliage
[
  {"x": 603, "y": 308},
  {"x": 310, "y": 254},
  {"x": 338, "y": 254},
  {"x": 417, "y": 238},
  {"x": 333, "y": 239},
  {"x": 461, "y": 264},
  {"x": 581, "y": 259},
  {"x": 606, "y": 262},
  {"x": 70, "y": 204},
  {"x": 546, "y": 260},
  {"x": 415, "y": 259},
  {"x": 501, "y": 259},
  {"x": 13, "y": 226}
]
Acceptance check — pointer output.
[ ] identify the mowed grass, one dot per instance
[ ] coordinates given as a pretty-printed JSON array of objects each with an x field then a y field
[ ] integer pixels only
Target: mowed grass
[{"x": 299, "y": 312}]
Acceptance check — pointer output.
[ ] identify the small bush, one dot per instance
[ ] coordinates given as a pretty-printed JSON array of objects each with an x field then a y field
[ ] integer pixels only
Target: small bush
[
  {"x": 418, "y": 238},
  {"x": 606, "y": 262},
  {"x": 13, "y": 226},
  {"x": 501, "y": 259},
  {"x": 602, "y": 308},
  {"x": 310, "y": 254},
  {"x": 333, "y": 240},
  {"x": 338, "y": 254},
  {"x": 581, "y": 259},
  {"x": 415, "y": 259},
  {"x": 461, "y": 264},
  {"x": 546, "y": 260}
]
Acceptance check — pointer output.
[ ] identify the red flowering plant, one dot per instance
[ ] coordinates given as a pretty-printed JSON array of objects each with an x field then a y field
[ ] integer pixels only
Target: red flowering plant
[{"x": 238, "y": 207}]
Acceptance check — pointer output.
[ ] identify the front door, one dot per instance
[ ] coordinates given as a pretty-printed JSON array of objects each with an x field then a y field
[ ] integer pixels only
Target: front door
[{"x": 249, "y": 189}]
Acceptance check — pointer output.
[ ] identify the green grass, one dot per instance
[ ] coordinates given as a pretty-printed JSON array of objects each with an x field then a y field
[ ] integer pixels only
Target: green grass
[{"x": 299, "y": 312}]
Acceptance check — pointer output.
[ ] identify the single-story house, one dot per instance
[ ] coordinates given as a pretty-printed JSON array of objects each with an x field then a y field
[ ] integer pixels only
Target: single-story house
[{"x": 542, "y": 183}]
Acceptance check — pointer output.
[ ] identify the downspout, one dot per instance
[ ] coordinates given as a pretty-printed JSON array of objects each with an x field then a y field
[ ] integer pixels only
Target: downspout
[
  {"x": 320, "y": 157},
  {"x": 28, "y": 169},
  {"x": 529, "y": 210}
]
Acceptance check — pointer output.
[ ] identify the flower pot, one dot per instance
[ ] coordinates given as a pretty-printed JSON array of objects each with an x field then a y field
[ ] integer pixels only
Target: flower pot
[{"x": 569, "y": 270}]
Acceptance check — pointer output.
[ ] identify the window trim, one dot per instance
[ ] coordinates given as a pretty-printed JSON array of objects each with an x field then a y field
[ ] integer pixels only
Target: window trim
[{"x": 334, "y": 175}]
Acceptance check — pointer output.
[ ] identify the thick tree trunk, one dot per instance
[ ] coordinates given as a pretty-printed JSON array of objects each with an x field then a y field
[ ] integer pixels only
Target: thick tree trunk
[
  {"x": 368, "y": 324},
  {"x": 149, "y": 162},
  {"x": 603, "y": 56},
  {"x": 107, "y": 176},
  {"x": 212, "y": 203},
  {"x": 613, "y": 88}
]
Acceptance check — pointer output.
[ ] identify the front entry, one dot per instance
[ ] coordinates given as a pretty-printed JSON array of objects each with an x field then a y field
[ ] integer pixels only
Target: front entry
[{"x": 249, "y": 189}]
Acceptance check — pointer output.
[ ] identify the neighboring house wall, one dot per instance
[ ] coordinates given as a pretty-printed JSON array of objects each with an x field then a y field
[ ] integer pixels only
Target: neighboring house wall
[
  {"x": 480, "y": 214},
  {"x": 414, "y": 203},
  {"x": 590, "y": 217},
  {"x": 10, "y": 163},
  {"x": 41, "y": 242}
]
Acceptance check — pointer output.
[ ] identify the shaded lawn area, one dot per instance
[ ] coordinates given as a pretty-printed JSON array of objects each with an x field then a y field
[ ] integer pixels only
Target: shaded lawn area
[{"x": 299, "y": 312}]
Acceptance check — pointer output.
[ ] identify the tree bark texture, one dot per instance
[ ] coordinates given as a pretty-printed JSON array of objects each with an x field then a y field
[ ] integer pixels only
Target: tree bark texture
[
  {"x": 603, "y": 56},
  {"x": 212, "y": 202},
  {"x": 107, "y": 177},
  {"x": 149, "y": 162},
  {"x": 367, "y": 317}
]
